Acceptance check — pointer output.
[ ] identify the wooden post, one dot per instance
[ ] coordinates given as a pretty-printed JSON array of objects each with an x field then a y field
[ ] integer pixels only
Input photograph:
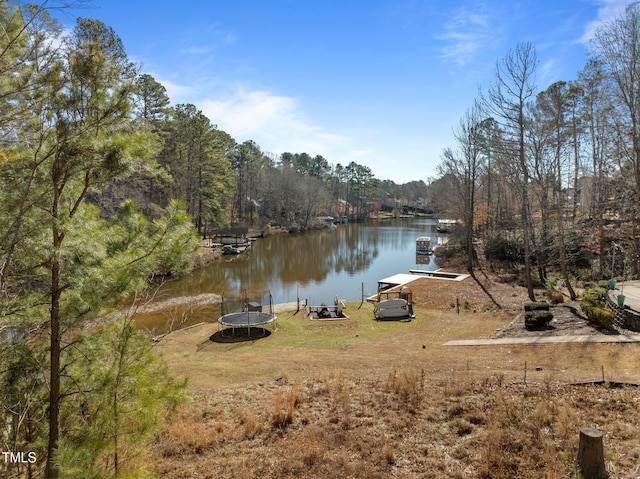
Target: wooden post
[{"x": 591, "y": 454}]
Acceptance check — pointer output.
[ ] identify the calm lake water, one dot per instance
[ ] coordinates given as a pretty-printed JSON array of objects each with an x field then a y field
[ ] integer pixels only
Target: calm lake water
[{"x": 315, "y": 266}]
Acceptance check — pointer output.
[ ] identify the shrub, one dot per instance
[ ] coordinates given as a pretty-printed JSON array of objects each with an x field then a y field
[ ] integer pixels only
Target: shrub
[
  {"x": 534, "y": 320},
  {"x": 503, "y": 248},
  {"x": 284, "y": 407},
  {"x": 594, "y": 297},
  {"x": 448, "y": 251},
  {"x": 551, "y": 289},
  {"x": 594, "y": 306},
  {"x": 601, "y": 317}
]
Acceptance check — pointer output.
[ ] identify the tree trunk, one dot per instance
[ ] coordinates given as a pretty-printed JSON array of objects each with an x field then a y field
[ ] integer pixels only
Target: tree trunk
[
  {"x": 525, "y": 202},
  {"x": 54, "y": 371},
  {"x": 469, "y": 225},
  {"x": 55, "y": 343},
  {"x": 591, "y": 454},
  {"x": 562, "y": 252},
  {"x": 527, "y": 248}
]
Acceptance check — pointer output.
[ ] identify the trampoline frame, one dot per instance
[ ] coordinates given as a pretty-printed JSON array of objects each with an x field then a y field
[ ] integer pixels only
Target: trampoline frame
[
  {"x": 248, "y": 317},
  {"x": 248, "y": 323}
]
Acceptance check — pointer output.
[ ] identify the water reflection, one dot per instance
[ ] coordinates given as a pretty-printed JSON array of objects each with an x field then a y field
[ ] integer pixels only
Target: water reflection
[{"x": 317, "y": 265}]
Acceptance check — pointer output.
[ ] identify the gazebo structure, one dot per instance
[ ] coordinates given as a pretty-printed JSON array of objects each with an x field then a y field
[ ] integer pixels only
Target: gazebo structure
[{"x": 235, "y": 235}]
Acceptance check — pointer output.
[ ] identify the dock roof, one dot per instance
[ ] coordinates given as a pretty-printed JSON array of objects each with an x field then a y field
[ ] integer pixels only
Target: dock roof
[{"x": 400, "y": 278}]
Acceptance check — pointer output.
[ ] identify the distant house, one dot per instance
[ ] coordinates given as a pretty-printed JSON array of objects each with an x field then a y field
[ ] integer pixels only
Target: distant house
[{"x": 340, "y": 206}]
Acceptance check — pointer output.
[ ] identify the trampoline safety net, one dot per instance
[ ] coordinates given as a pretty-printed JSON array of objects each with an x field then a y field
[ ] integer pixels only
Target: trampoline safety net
[{"x": 246, "y": 311}]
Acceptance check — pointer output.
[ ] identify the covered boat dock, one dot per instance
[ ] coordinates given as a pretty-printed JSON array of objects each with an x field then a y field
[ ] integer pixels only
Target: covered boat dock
[{"x": 390, "y": 287}]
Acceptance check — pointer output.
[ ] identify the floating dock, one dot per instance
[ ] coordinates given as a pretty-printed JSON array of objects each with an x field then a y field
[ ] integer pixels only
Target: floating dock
[{"x": 439, "y": 275}]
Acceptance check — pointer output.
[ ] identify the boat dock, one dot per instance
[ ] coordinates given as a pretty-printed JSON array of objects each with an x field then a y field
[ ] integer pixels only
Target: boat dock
[
  {"x": 391, "y": 286},
  {"x": 437, "y": 274}
]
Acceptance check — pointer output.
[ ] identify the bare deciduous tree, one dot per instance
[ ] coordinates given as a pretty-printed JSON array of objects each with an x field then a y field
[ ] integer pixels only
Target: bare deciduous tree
[
  {"x": 464, "y": 165},
  {"x": 506, "y": 100},
  {"x": 616, "y": 45}
]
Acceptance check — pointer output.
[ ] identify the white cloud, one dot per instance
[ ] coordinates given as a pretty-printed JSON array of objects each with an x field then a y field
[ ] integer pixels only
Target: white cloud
[
  {"x": 607, "y": 11},
  {"x": 548, "y": 70},
  {"x": 466, "y": 32},
  {"x": 245, "y": 112},
  {"x": 221, "y": 34},
  {"x": 196, "y": 51},
  {"x": 174, "y": 90},
  {"x": 276, "y": 123}
]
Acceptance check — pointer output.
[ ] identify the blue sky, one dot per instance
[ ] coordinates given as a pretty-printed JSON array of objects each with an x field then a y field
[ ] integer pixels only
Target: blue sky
[{"x": 379, "y": 82}]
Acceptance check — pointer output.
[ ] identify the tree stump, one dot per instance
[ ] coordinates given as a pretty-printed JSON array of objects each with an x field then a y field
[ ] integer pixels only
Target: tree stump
[{"x": 591, "y": 454}]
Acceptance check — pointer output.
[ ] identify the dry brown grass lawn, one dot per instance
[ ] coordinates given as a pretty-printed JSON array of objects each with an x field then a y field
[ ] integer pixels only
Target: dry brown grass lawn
[{"x": 367, "y": 399}]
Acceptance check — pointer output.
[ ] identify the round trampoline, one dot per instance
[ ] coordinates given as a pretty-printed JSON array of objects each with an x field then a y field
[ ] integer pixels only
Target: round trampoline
[{"x": 246, "y": 319}]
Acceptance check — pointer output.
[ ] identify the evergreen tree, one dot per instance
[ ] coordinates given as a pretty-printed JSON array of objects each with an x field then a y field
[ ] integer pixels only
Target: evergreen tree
[
  {"x": 197, "y": 154},
  {"x": 62, "y": 264}
]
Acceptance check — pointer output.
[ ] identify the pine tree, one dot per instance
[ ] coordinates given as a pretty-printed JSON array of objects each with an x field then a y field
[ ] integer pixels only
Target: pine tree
[{"x": 61, "y": 263}]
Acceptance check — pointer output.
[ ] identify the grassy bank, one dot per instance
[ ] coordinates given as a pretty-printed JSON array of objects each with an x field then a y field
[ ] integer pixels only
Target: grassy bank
[
  {"x": 366, "y": 399},
  {"x": 299, "y": 346}
]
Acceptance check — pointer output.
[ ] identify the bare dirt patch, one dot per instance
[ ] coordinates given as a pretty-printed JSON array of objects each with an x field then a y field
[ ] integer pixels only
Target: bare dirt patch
[{"x": 472, "y": 294}]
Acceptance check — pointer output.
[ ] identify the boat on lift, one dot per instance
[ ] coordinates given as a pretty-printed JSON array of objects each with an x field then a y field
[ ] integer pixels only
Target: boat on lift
[
  {"x": 423, "y": 245},
  {"x": 445, "y": 226}
]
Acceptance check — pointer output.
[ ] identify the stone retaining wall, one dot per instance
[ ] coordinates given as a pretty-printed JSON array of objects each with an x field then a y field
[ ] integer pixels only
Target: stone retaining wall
[{"x": 625, "y": 317}]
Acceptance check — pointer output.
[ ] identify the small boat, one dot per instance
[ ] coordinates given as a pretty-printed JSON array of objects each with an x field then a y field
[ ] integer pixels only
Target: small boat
[
  {"x": 329, "y": 221},
  {"x": 392, "y": 309},
  {"x": 423, "y": 245},
  {"x": 228, "y": 249},
  {"x": 444, "y": 226}
]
